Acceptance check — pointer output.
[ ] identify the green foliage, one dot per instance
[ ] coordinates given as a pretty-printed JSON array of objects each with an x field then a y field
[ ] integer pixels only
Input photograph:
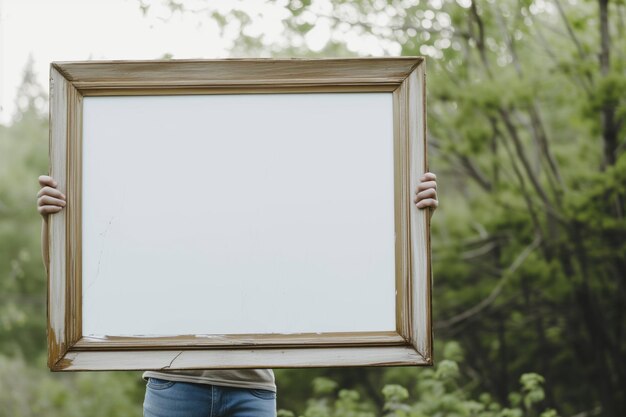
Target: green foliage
[
  {"x": 527, "y": 133},
  {"x": 531, "y": 389},
  {"x": 34, "y": 391},
  {"x": 23, "y": 157},
  {"x": 323, "y": 386},
  {"x": 439, "y": 393}
]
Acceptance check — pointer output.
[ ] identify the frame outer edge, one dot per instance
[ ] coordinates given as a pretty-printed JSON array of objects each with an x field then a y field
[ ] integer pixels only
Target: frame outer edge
[
  {"x": 65, "y": 236},
  {"x": 429, "y": 272},
  {"x": 56, "y": 277},
  {"x": 420, "y": 219}
]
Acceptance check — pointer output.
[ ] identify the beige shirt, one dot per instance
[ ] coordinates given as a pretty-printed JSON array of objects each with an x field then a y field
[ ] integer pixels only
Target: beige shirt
[{"x": 240, "y": 378}]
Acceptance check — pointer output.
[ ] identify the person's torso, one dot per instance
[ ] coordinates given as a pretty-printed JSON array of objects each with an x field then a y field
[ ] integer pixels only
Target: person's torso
[{"x": 241, "y": 378}]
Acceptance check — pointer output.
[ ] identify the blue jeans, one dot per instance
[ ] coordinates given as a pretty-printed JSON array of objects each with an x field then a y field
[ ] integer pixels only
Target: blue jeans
[{"x": 182, "y": 399}]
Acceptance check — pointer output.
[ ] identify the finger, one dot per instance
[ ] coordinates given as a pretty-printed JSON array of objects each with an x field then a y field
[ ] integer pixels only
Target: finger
[
  {"x": 46, "y": 200},
  {"x": 429, "y": 202},
  {"x": 48, "y": 209},
  {"x": 53, "y": 192},
  {"x": 429, "y": 193},
  {"x": 425, "y": 185},
  {"x": 428, "y": 176},
  {"x": 47, "y": 180}
]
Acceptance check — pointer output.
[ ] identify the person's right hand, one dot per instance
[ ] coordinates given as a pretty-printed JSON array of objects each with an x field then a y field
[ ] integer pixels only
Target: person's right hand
[{"x": 49, "y": 199}]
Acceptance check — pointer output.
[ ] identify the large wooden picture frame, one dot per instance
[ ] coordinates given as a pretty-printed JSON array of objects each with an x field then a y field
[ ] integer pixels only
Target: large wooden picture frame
[{"x": 401, "y": 77}]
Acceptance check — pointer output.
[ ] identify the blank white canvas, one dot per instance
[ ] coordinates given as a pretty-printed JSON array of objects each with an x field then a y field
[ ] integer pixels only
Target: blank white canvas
[{"x": 234, "y": 214}]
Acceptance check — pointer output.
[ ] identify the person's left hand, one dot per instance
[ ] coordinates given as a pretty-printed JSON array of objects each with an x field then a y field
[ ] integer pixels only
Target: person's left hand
[{"x": 426, "y": 193}]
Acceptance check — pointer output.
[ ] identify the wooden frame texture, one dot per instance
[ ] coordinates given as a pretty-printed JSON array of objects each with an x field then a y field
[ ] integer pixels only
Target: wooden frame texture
[{"x": 410, "y": 344}]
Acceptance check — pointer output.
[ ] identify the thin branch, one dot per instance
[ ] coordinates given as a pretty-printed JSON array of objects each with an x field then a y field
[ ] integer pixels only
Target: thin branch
[
  {"x": 520, "y": 178},
  {"x": 480, "y": 251},
  {"x": 538, "y": 131},
  {"x": 569, "y": 29},
  {"x": 504, "y": 114},
  {"x": 620, "y": 19},
  {"x": 480, "y": 40},
  {"x": 495, "y": 292},
  {"x": 508, "y": 38},
  {"x": 535, "y": 126},
  {"x": 542, "y": 39},
  {"x": 470, "y": 168},
  {"x": 605, "y": 39},
  {"x": 475, "y": 173},
  {"x": 540, "y": 134},
  {"x": 578, "y": 81},
  {"x": 609, "y": 124}
]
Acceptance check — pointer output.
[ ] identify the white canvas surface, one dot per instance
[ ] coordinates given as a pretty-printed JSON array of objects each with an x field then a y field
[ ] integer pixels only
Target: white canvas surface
[{"x": 234, "y": 214}]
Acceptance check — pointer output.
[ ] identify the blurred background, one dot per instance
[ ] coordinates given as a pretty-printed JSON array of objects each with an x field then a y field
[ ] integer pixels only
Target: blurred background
[{"x": 526, "y": 131}]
